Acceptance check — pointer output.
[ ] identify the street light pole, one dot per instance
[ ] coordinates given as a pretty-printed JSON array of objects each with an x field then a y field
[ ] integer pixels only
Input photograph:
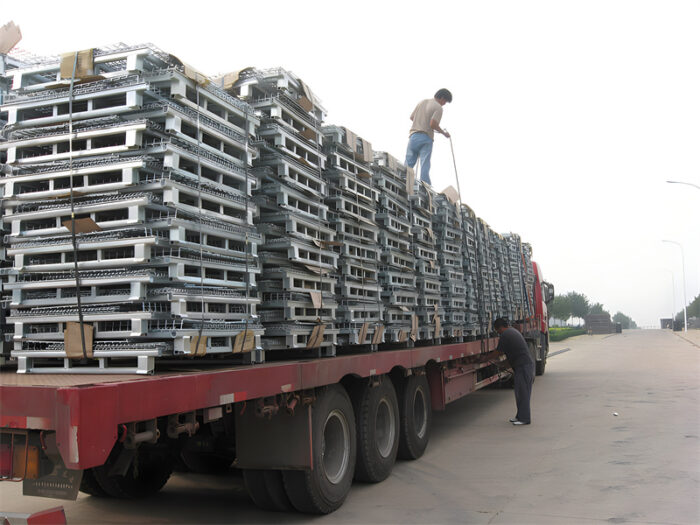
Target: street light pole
[
  {"x": 685, "y": 302},
  {"x": 686, "y": 183},
  {"x": 673, "y": 295}
]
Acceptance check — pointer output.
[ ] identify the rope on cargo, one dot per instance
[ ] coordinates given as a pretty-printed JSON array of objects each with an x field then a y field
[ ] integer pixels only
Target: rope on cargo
[
  {"x": 247, "y": 240},
  {"x": 199, "y": 215},
  {"x": 459, "y": 205},
  {"x": 318, "y": 218},
  {"x": 74, "y": 239}
]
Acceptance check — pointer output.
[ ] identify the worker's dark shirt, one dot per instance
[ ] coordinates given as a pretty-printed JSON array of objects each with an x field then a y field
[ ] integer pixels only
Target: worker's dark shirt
[{"x": 513, "y": 345}]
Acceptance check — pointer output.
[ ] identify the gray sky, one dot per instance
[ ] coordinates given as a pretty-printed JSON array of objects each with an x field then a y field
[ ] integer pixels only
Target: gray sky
[{"x": 568, "y": 116}]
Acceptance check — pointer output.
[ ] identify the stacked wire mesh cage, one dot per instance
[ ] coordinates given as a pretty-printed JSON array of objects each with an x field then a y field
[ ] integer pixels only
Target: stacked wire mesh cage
[
  {"x": 352, "y": 202},
  {"x": 298, "y": 284},
  {"x": 151, "y": 213},
  {"x": 128, "y": 199},
  {"x": 397, "y": 268}
]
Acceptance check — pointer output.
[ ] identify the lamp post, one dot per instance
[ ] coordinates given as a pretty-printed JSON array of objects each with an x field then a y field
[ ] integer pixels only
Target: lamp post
[
  {"x": 673, "y": 295},
  {"x": 686, "y": 183},
  {"x": 685, "y": 313}
]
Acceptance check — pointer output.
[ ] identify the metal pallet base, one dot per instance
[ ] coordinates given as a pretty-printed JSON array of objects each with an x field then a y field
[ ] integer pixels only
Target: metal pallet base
[{"x": 145, "y": 365}]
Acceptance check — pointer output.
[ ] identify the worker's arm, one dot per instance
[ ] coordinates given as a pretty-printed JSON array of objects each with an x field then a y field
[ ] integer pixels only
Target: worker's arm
[{"x": 434, "y": 124}]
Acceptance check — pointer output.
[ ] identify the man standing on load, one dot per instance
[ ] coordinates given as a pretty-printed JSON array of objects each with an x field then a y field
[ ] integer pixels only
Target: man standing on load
[{"x": 426, "y": 120}]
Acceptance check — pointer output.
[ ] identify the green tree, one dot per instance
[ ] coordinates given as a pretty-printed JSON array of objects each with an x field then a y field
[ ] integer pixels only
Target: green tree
[
  {"x": 598, "y": 308},
  {"x": 560, "y": 308},
  {"x": 693, "y": 310},
  {"x": 579, "y": 304},
  {"x": 624, "y": 320}
]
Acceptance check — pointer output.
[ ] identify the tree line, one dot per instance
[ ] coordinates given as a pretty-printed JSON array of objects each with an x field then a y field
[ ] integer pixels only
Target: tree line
[
  {"x": 576, "y": 305},
  {"x": 693, "y": 310}
]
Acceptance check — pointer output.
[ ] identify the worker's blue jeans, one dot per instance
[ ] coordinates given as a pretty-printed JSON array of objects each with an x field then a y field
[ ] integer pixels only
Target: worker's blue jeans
[{"x": 420, "y": 145}]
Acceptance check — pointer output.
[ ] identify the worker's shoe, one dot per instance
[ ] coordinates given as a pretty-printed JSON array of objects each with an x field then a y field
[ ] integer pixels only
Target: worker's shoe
[
  {"x": 513, "y": 419},
  {"x": 516, "y": 422}
]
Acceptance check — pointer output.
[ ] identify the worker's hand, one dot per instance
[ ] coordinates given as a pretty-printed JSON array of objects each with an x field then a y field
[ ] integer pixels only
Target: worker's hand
[{"x": 444, "y": 132}]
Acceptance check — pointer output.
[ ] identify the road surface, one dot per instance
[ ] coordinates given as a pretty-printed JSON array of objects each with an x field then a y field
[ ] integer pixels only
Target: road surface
[{"x": 577, "y": 463}]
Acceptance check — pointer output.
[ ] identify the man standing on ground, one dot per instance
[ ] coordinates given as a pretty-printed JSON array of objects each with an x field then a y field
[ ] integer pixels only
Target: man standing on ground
[
  {"x": 426, "y": 120},
  {"x": 513, "y": 345}
]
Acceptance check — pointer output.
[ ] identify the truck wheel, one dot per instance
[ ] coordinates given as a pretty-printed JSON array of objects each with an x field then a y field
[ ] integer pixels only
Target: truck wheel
[
  {"x": 89, "y": 484},
  {"x": 266, "y": 489},
  {"x": 539, "y": 367},
  {"x": 147, "y": 474},
  {"x": 206, "y": 463},
  {"x": 416, "y": 417},
  {"x": 324, "y": 488},
  {"x": 377, "y": 424},
  {"x": 275, "y": 488},
  {"x": 257, "y": 489}
]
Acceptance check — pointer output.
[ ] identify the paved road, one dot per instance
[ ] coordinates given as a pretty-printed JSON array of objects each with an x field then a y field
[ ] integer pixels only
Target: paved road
[{"x": 577, "y": 462}]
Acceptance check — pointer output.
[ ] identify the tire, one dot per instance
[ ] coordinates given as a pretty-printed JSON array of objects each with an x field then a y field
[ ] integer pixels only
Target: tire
[
  {"x": 257, "y": 489},
  {"x": 89, "y": 485},
  {"x": 539, "y": 367},
  {"x": 377, "y": 424},
  {"x": 275, "y": 488},
  {"x": 416, "y": 417},
  {"x": 206, "y": 463},
  {"x": 147, "y": 474},
  {"x": 334, "y": 447}
]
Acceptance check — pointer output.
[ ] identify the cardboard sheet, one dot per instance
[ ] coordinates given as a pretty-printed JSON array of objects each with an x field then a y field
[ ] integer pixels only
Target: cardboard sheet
[
  {"x": 73, "y": 342},
  {"x": 363, "y": 333},
  {"x": 85, "y": 66},
  {"x": 309, "y": 134},
  {"x": 316, "y": 337},
  {"x": 10, "y": 35},
  {"x": 198, "y": 345},
  {"x": 85, "y": 225},
  {"x": 316, "y": 299},
  {"x": 451, "y": 195},
  {"x": 403, "y": 335},
  {"x": 410, "y": 180},
  {"x": 378, "y": 334},
  {"x": 414, "y": 327},
  {"x": 244, "y": 342}
]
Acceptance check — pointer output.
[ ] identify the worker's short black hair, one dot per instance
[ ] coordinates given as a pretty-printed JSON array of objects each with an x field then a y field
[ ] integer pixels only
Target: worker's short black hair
[
  {"x": 500, "y": 322},
  {"x": 444, "y": 93}
]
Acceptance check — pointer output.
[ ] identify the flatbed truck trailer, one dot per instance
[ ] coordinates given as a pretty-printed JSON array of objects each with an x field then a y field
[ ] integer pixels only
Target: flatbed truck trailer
[{"x": 301, "y": 430}]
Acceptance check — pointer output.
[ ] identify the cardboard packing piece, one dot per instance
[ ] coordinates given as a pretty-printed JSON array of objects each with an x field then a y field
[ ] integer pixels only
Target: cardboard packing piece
[
  {"x": 191, "y": 72},
  {"x": 316, "y": 299},
  {"x": 309, "y": 134},
  {"x": 73, "y": 343},
  {"x": 10, "y": 35},
  {"x": 451, "y": 195},
  {"x": 84, "y": 225},
  {"x": 198, "y": 345},
  {"x": 378, "y": 336},
  {"x": 403, "y": 335},
  {"x": 85, "y": 66},
  {"x": 316, "y": 269},
  {"x": 244, "y": 342},
  {"x": 363, "y": 333},
  {"x": 410, "y": 179},
  {"x": 316, "y": 337},
  {"x": 228, "y": 80},
  {"x": 391, "y": 162},
  {"x": 438, "y": 325},
  {"x": 306, "y": 97},
  {"x": 414, "y": 328}
]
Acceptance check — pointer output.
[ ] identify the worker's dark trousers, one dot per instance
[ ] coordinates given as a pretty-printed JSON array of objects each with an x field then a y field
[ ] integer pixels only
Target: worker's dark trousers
[{"x": 523, "y": 378}]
